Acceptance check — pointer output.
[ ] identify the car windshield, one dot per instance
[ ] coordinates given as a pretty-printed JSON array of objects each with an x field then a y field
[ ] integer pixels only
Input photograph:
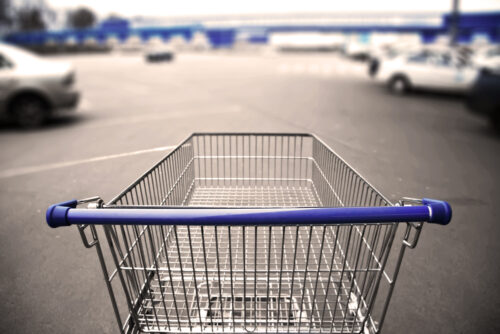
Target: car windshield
[{"x": 17, "y": 55}]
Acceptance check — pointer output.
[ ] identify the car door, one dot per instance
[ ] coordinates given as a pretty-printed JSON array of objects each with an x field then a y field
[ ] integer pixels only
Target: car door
[
  {"x": 451, "y": 73},
  {"x": 442, "y": 73},
  {"x": 466, "y": 75},
  {"x": 416, "y": 69}
]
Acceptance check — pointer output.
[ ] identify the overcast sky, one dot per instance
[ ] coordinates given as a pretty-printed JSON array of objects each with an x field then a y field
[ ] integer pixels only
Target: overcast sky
[{"x": 214, "y": 7}]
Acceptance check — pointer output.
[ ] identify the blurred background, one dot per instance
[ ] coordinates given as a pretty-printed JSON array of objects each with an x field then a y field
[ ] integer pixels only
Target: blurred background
[{"x": 93, "y": 93}]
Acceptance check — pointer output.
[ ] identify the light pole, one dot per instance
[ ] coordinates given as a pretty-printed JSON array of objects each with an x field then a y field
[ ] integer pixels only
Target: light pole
[{"x": 454, "y": 18}]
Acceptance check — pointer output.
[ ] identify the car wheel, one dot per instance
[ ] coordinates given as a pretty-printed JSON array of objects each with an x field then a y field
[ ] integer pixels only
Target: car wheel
[
  {"x": 373, "y": 67},
  {"x": 399, "y": 85},
  {"x": 29, "y": 111}
]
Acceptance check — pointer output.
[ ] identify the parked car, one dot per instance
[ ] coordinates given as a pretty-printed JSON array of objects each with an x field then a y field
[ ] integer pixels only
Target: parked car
[
  {"x": 488, "y": 57},
  {"x": 357, "y": 50},
  {"x": 33, "y": 88},
  {"x": 159, "y": 54},
  {"x": 425, "y": 70},
  {"x": 380, "y": 55},
  {"x": 388, "y": 52},
  {"x": 484, "y": 97}
]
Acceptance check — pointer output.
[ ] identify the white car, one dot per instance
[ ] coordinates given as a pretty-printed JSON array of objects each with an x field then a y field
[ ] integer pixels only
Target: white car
[
  {"x": 33, "y": 88},
  {"x": 488, "y": 58},
  {"x": 426, "y": 70},
  {"x": 357, "y": 50},
  {"x": 159, "y": 54}
]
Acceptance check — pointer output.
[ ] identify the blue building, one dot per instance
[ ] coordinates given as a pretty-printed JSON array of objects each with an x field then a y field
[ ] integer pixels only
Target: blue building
[{"x": 225, "y": 31}]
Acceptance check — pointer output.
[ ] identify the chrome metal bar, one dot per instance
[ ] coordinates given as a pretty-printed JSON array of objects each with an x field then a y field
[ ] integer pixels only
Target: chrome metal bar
[
  {"x": 218, "y": 274},
  {"x": 182, "y": 276},
  {"x": 268, "y": 275},
  {"x": 305, "y": 275},
  {"x": 194, "y": 274},
  {"x": 231, "y": 273},
  {"x": 147, "y": 279},
  {"x": 293, "y": 272},
  {"x": 164, "y": 240},
  {"x": 244, "y": 277},
  {"x": 206, "y": 273},
  {"x": 158, "y": 275},
  {"x": 317, "y": 278},
  {"x": 281, "y": 276},
  {"x": 341, "y": 276}
]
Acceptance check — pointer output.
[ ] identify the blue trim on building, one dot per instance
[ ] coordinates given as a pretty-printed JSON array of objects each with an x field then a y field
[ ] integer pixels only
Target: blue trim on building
[{"x": 470, "y": 24}]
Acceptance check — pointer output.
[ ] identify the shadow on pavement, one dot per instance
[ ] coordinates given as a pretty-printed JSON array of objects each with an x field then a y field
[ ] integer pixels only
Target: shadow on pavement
[
  {"x": 67, "y": 120},
  {"x": 487, "y": 130},
  {"x": 424, "y": 94},
  {"x": 53, "y": 123},
  {"x": 428, "y": 94}
]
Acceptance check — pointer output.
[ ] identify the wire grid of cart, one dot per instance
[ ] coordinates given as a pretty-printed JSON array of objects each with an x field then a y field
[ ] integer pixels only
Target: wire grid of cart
[
  {"x": 248, "y": 278},
  {"x": 260, "y": 278},
  {"x": 286, "y": 278}
]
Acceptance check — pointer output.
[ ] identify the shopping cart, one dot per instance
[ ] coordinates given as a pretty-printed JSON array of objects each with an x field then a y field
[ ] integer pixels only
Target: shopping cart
[{"x": 259, "y": 233}]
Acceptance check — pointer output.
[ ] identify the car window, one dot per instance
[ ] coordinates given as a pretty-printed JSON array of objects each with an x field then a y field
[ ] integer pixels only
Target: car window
[
  {"x": 461, "y": 62},
  {"x": 418, "y": 58},
  {"x": 444, "y": 60}
]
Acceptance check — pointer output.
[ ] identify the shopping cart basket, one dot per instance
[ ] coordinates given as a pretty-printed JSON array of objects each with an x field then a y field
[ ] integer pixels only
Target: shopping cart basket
[{"x": 250, "y": 233}]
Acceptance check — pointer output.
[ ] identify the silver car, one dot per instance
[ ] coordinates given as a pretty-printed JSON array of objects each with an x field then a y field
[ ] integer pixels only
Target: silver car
[{"x": 33, "y": 88}]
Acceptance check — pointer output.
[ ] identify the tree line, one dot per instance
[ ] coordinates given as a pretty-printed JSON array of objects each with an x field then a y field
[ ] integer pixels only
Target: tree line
[{"x": 36, "y": 17}]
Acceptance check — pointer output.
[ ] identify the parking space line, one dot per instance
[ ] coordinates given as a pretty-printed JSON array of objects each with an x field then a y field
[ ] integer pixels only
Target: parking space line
[{"x": 42, "y": 168}]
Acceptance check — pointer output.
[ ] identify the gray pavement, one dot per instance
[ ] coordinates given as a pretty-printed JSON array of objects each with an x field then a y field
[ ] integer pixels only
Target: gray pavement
[{"x": 417, "y": 145}]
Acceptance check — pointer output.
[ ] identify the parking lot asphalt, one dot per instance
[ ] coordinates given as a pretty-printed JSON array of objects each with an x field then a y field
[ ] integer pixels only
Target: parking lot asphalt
[{"x": 132, "y": 113}]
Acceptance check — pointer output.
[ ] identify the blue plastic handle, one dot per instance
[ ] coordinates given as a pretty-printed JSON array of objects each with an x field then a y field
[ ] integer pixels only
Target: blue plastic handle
[{"x": 65, "y": 214}]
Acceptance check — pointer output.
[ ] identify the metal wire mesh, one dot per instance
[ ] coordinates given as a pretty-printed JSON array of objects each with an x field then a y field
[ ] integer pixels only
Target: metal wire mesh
[
  {"x": 261, "y": 196},
  {"x": 256, "y": 279}
]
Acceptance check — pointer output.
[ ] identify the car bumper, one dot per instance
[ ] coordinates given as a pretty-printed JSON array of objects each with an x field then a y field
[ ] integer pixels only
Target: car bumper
[
  {"x": 69, "y": 100},
  {"x": 65, "y": 102}
]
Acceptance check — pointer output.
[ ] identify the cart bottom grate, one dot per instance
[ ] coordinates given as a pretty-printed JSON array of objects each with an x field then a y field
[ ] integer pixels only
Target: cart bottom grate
[{"x": 256, "y": 196}]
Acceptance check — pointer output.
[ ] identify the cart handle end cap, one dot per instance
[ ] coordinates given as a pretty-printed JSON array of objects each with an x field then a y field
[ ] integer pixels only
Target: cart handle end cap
[
  {"x": 57, "y": 213},
  {"x": 440, "y": 211}
]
